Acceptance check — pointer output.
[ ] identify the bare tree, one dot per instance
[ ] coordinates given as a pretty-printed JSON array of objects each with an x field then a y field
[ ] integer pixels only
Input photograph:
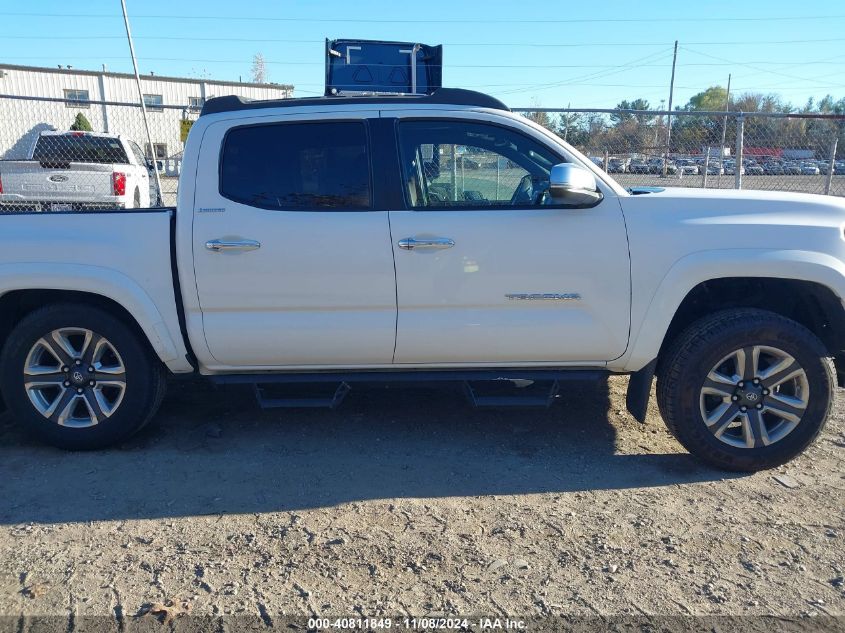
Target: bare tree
[{"x": 259, "y": 69}]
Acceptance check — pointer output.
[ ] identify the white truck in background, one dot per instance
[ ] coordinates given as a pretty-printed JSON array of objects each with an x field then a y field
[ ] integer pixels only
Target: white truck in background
[
  {"x": 77, "y": 171},
  {"x": 341, "y": 239}
]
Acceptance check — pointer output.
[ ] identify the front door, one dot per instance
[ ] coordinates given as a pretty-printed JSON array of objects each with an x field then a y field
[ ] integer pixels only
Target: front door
[
  {"x": 293, "y": 267},
  {"x": 488, "y": 271}
]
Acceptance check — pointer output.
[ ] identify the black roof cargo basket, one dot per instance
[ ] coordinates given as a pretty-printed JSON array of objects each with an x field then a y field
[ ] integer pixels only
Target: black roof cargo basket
[{"x": 376, "y": 67}]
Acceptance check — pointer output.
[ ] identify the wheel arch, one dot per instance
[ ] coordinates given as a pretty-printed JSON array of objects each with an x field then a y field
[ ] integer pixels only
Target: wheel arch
[
  {"x": 32, "y": 286},
  {"x": 805, "y": 286}
]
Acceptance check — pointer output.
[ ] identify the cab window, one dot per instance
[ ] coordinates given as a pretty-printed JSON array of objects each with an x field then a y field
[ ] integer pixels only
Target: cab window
[
  {"x": 464, "y": 164},
  {"x": 313, "y": 166}
]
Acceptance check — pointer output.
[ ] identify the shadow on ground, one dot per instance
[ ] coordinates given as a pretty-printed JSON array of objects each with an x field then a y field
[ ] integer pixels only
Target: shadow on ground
[{"x": 213, "y": 451}]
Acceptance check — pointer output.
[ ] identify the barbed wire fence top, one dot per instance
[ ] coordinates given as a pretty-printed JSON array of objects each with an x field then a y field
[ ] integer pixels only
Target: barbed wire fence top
[{"x": 69, "y": 154}]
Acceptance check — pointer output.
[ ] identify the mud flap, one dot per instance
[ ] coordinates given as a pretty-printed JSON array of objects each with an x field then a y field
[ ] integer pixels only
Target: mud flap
[
  {"x": 839, "y": 364},
  {"x": 639, "y": 391}
]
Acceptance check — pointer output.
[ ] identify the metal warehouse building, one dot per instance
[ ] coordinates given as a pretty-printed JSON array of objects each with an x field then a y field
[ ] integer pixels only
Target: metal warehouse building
[{"x": 169, "y": 101}]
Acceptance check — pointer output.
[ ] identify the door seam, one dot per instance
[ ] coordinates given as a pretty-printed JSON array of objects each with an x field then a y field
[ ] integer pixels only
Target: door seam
[{"x": 395, "y": 290}]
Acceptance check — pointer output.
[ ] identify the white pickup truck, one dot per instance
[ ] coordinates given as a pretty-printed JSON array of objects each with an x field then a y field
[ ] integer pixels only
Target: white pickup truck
[
  {"x": 76, "y": 171},
  {"x": 437, "y": 237}
]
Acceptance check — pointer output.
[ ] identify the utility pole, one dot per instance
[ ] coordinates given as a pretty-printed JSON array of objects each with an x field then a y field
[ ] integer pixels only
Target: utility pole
[
  {"x": 724, "y": 132},
  {"x": 141, "y": 99},
  {"x": 566, "y": 123},
  {"x": 669, "y": 116}
]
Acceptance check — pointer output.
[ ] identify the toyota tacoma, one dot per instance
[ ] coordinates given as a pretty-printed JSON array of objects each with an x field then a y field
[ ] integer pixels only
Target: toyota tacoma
[{"x": 345, "y": 238}]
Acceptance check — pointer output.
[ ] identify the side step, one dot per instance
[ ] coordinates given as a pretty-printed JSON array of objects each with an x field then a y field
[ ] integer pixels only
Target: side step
[
  {"x": 510, "y": 393},
  {"x": 319, "y": 399}
]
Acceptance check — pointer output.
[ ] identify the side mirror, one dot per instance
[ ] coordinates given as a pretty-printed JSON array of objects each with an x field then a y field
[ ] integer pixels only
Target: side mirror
[{"x": 574, "y": 186}]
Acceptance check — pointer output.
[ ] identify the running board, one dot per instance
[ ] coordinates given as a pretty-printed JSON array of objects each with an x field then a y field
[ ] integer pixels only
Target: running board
[
  {"x": 511, "y": 394},
  {"x": 332, "y": 401}
]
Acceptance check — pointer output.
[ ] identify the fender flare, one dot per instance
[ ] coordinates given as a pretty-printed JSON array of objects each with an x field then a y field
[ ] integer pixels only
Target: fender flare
[
  {"x": 695, "y": 268},
  {"x": 96, "y": 280}
]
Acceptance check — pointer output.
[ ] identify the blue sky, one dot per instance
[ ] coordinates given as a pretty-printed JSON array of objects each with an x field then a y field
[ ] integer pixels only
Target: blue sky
[{"x": 548, "y": 53}]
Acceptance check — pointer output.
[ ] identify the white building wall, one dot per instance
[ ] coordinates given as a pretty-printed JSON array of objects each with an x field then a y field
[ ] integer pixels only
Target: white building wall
[{"x": 22, "y": 120}]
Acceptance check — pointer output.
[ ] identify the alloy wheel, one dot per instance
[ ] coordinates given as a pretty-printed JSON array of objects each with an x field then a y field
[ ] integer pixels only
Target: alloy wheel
[
  {"x": 755, "y": 396},
  {"x": 74, "y": 377}
]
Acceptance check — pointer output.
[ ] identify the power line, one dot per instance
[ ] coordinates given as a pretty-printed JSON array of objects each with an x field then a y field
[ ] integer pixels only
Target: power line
[
  {"x": 660, "y": 55},
  {"x": 320, "y": 63},
  {"x": 230, "y": 18},
  {"x": 275, "y": 40},
  {"x": 746, "y": 65}
]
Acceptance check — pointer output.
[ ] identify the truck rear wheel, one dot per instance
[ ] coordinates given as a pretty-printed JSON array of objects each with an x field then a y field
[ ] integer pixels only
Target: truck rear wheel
[
  {"x": 745, "y": 389},
  {"x": 78, "y": 378}
]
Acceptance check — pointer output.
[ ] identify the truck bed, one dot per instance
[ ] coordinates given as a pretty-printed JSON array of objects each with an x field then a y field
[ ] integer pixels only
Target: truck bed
[{"x": 123, "y": 255}]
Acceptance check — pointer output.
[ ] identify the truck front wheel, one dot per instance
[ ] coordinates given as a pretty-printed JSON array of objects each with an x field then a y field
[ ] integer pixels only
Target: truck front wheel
[
  {"x": 79, "y": 378},
  {"x": 745, "y": 389}
]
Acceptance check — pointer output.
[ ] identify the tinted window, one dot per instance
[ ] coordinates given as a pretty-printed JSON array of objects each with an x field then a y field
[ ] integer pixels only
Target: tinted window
[
  {"x": 79, "y": 148},
  {"x": 465, "y": 164},
  {"x": 297, "y": 166}
]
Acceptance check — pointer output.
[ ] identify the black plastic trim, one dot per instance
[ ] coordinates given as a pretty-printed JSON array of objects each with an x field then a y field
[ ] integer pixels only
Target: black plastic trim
[
  {"x": 177, "y": 296},
  {"x": 442, "y": 96},
  {"x": 412, "y": 375},
  {"x": 5, "y": 211},
  {"x": 386, "y": 170}
]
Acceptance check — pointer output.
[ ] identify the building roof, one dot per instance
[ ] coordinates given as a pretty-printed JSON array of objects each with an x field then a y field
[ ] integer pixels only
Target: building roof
[{"x": 105, "y": 73}]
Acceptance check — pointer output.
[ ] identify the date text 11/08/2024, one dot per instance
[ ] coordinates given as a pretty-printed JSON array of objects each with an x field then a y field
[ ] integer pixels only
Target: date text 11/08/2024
[{"x": 424, "y": 624}]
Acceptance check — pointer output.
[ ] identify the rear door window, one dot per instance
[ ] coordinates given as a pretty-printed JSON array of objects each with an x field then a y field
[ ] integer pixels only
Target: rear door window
[{"x": 313, "y": 166}]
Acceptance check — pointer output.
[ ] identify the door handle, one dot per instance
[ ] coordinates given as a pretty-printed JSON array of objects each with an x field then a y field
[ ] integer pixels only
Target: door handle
[
  {"x": 232, "y": 245},
  {"x": 411, "y": 243}
]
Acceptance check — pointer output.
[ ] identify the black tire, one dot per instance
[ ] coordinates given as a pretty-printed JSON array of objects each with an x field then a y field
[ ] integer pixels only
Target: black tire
[
  {"x": 144, "y": 377},
  {"x": 692, "y": 355}
]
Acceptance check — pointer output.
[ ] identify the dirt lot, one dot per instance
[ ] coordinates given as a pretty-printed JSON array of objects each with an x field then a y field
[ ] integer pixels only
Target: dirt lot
[{"x": 408, "y": 502}]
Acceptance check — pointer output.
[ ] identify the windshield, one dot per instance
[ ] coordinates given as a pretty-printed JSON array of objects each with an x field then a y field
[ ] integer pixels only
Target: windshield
[{"x": 80, "y": 148}]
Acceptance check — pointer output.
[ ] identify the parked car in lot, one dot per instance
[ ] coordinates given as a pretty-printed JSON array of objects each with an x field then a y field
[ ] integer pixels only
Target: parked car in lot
[
  {"x": 714, "y": 169},
  {"x": 687, "y": 166},
  {"x": 618, "y": 165},
  {"x": 77, "y": 171},
  {"x": 754, "y": 169},
  {"x": 655, "y": 166},
  {"x": 638, "y": 166},
  {"x": 299, "y": 266},
  {"x": 792, "y": 169},
  {"x": 730, "y": 168},
  {"x": 809, "y": 169},
  {"x": 840, "y": 168}
]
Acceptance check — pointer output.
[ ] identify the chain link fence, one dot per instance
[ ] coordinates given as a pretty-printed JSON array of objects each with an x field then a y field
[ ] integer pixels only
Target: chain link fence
[
  {"x": 771, "y": 151},
  {"x": 66, "y": 154}
]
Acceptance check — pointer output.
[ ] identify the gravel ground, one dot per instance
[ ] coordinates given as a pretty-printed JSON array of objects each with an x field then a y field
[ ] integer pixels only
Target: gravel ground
[{"x": 408, "y": 502}]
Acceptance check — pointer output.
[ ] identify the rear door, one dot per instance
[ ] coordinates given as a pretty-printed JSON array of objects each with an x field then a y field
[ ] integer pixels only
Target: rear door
[
  {"x": 488, "y": 271},
  {"x": 293, "y": 265}
]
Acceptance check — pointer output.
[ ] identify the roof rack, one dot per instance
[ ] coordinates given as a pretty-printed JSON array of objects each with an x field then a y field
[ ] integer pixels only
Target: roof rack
[{"x": 441, "y": 96}]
